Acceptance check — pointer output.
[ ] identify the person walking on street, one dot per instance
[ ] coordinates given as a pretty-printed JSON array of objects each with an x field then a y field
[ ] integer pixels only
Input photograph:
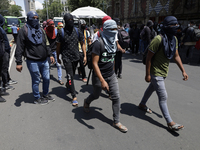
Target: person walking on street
[
  {"x": 157, "y": 68},
  {"x": 103, "y": 76},
  {"x": 67, "y": 46},
  {"x": 33, "y": 42},
  {"x": 188, "y": 41},
  {"x": 4, "y": 57},
  {"x": 14, "y": 32},
  {"x": 51, "y": 32},
  {"x": 134, "y": 34}
]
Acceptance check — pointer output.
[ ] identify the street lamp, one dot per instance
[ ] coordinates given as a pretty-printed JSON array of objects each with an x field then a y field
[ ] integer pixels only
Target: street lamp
[{"x": 47, "y": 10}]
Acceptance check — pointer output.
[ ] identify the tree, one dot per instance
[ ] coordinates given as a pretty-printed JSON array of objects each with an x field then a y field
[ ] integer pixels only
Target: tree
[
  {"x": 15, "y": 10},
  {"x": 42, "y": 14},
  {"x": 4, "y": 5},
  {"x": 55, "y": 8}
]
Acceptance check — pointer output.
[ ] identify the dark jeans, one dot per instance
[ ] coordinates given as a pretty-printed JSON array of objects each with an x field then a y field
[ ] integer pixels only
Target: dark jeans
[
  {"x": 118, "y": 63},
  {"x": 133, "y": 43},
  {"x": 5, "y": 66},
  {"x": 70, "y": 68},
  {"x": 82, "y": 67},
  {"x": 113, "y": 90},
  {"x": 15, "y": 37}
]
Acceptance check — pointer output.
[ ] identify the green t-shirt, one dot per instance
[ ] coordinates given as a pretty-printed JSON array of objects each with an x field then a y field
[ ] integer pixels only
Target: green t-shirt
[{"x": 160, "y": 63}]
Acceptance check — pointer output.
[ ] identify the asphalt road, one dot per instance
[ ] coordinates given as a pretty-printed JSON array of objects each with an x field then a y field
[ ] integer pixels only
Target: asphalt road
[{"x": 59, "y": 126}]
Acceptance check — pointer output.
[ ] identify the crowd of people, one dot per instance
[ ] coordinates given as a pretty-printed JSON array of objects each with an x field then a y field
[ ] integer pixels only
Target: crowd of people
[{"x": 46, "y": 46}]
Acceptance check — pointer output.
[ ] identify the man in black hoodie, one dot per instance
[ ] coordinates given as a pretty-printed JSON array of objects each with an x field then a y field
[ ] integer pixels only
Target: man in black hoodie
[
  {"x": 67, "y": 45},
  {"x": 4, "y": 59},
  {"x": 32, "y": 38}
]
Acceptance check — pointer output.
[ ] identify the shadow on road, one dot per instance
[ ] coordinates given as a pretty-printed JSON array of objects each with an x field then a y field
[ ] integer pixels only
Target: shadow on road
[
  {"x": 94, "y": 113},
  {"x": 26, "y": 98},
  {"x": 132, "y": 110}
]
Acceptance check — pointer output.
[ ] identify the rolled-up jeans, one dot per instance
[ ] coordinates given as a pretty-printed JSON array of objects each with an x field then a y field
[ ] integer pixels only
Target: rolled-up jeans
[
  {"x": 113, "y": 90},
  {"x": 157, "y": 84},
  {"x": 37, "y": 68}
]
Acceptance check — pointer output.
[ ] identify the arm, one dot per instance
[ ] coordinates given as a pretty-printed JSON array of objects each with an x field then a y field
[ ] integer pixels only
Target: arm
[
  {"x": 83, "y": 47},
  {"x": 148, "y": 66},
  {"x": 180, "y": 65},
  {"x": 95, "y": 60}
]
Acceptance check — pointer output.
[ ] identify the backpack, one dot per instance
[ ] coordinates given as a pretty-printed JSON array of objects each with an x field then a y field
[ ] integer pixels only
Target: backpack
[
  {"x": 2, "y": 44},
  {"x": 124, "y": 38},
  {"x": 144, "y": 57},
  {"x": 196, "y": 36},
  {"x": 89, "y": 53}
]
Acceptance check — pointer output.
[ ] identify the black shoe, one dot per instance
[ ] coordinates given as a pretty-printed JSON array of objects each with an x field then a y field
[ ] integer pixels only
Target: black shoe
[
  {"x": 3, "y": 92},
  {"x": 8, "y": 87},
  {"x": 2, "y": 99},
  {"x": 120, "y": 76},
  {"x": 41, "y": 101},
  {"x": 49, "y": 97}
]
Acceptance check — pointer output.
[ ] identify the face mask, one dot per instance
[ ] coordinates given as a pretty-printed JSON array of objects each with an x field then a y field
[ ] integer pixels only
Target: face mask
[
  {"x": 34, "y": 23},
  {"x": 70, "y": 24},
  {"x": 171, "y": 30},
  {"x": 51, "y": 28}
]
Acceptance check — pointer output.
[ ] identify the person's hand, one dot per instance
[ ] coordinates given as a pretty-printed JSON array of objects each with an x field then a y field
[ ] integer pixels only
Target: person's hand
[
  {"x": 185, "y": 76},
  {"x": 84, "y": 60},
  {"x": 52, "y": 59},
  {"x": 104, "y": 86},
  {"x": 19, "y": 68},
  {"x": 123, "y": 51},
  {"x": 148, "y": 78}
]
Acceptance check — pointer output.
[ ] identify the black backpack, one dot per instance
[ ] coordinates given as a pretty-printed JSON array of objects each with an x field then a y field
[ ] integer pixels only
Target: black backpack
[
  {"x": 124, "y": 38},
  {"x": 196, "y": 35},
  {"x": 2, "y": 44},
  {"x": 89, "y": 52},
  {"x": 144, "y": 57}
]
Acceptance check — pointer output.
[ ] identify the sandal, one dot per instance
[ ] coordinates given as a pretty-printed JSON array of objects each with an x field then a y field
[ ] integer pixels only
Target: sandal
[
  {"x": 145, "y": 108},
  {"x": 86, "y": 107},
  {"x": 75, "y": 103},
  {"x": 120, "y": 127},
  {"x": 175, "y": 127},
  {"x": 61, "y": 83}
]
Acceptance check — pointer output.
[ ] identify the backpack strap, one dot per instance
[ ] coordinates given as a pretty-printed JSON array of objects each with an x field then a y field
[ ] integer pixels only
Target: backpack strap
[
  {"x": 101, "y": 43},
  {"x": 62, "y": 34}
]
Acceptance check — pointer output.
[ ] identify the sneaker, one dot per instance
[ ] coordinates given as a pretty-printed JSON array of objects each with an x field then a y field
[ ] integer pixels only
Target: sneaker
[
  {"x": 2, "y": 99},
  {"x": 10, "y": 82},
  {"x": 41, "y": 101},
  {"x": 3, "y": 92},
  {"x": 120, "y": 76},
  {"x": 8, "y": 87},
  {"x": 84, "y": 80},
  {"x": 49, "y": 97}
]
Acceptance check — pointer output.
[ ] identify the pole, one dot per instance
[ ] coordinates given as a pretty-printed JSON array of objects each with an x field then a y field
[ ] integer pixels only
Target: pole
[{"x": 47, "y": 10}]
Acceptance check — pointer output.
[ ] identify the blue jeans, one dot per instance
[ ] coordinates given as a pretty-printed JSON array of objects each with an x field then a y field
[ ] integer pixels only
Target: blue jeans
[
  {"x": 59, "y": 69},
  {"x": 36, "y": 68}
]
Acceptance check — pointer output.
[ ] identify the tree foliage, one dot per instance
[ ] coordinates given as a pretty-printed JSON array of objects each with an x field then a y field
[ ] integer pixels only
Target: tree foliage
[
  {"x": 54, "y": 7},
  {"x": 15, "y": 10},
  {"x": 101, "y": 4},
  {"x": 4, "y": 5}
]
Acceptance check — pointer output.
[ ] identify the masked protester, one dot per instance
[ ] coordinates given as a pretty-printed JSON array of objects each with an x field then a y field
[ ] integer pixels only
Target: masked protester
[
  {"x": 67, "y": 46},
  {"x": 60, "y": 25},
  {"x": 103, "y": 76},
  {"x": 157, "y": 68},
  {"x": 4, "y": 61},
  {"x": 32, "y": 38},
  {"x": 86, "y": 35},
  {"x": 51, "y": 32}
]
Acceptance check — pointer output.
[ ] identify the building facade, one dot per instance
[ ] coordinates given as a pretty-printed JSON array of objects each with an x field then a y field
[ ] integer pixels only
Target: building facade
[
  {"x": 29, "y": 5},
  {"x": 141, "y": 11}
]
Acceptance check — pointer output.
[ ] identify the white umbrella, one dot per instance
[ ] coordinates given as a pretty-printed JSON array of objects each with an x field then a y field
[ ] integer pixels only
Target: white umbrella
[{"x": 88, "y": 12}]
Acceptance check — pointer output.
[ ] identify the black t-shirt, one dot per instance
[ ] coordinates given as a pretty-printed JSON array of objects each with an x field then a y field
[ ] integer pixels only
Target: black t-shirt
[
  {"x": 69, "y": 45},
  {"x": 52, "y": 43},
  {"x": 105, "y": 60}
]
